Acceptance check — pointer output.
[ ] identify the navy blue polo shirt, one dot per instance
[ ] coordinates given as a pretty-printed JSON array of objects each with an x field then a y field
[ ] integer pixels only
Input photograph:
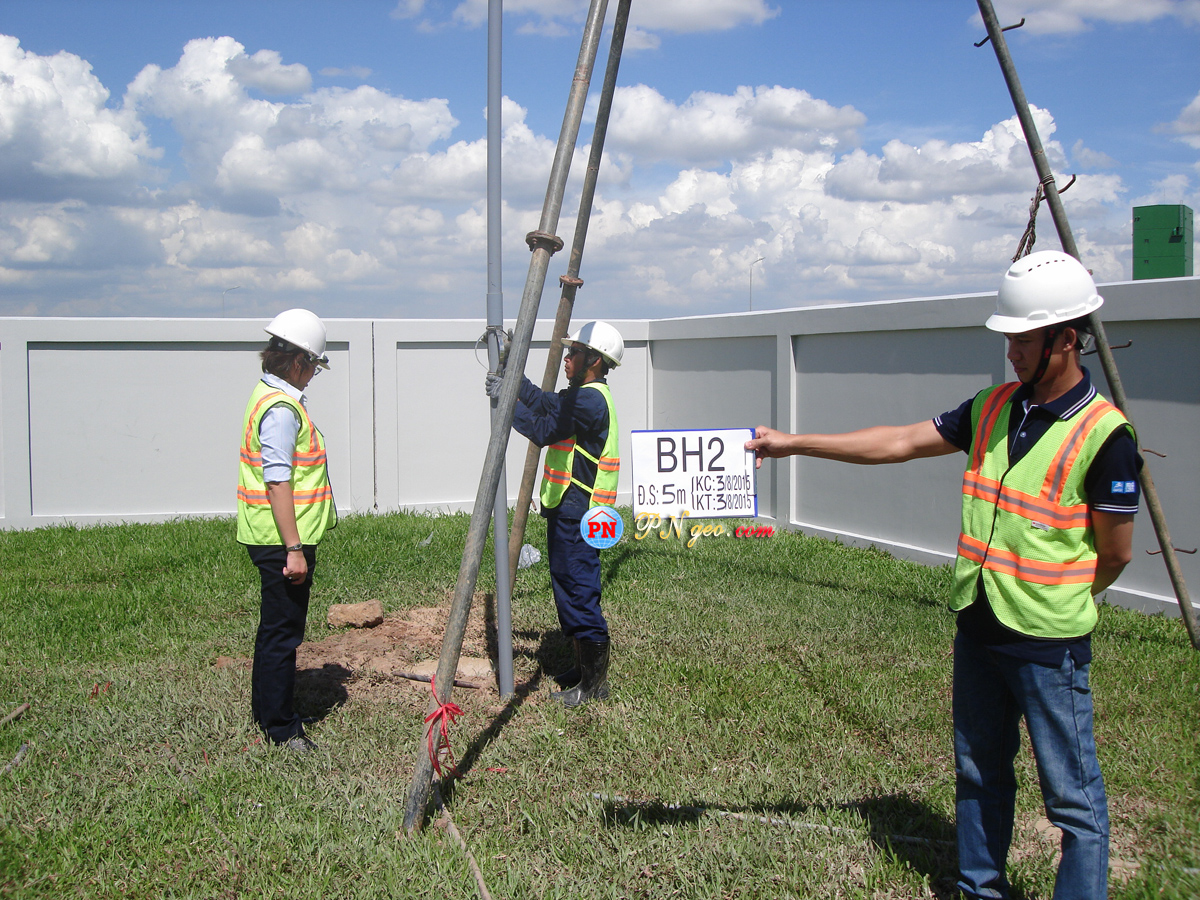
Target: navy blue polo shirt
[
  {"x": 547, "y": 418},
  {"x": 1110, "y": 484}
]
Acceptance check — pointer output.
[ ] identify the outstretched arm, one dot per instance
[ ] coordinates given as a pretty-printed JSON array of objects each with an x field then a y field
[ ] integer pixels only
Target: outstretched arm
[{"x": 870, "y": 446}]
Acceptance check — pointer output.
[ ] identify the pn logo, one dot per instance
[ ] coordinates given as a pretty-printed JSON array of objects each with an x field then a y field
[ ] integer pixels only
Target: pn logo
[{"x": 601, "y": 527}]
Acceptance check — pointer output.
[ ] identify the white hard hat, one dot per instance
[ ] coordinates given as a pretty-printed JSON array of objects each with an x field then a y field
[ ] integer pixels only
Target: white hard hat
[
  {"x": 603, "y": 338},
  {"x": 302, "y": 329},
  {"x": 1043, "y": 288}
]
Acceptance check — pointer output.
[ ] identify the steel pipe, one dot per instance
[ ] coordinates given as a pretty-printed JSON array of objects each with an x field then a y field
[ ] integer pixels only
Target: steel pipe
[
  {"x": 571, "y": 281},
  {"x": 489, "y": 481}
]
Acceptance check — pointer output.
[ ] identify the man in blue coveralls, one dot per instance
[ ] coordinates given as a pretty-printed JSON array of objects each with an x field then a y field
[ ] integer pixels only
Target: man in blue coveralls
[
  {"x": 1049, "y": 494},
  {"x": 579, "y": 427}
]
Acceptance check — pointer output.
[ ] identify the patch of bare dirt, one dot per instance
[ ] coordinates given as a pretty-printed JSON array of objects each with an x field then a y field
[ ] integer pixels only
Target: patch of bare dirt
[
  {"x": 1036, "y": 837},
  {"x": 370, "y": 664}
]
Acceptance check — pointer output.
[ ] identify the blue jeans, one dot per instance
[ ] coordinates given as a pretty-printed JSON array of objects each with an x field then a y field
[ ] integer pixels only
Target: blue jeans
[{"x": 992, "y": 692}]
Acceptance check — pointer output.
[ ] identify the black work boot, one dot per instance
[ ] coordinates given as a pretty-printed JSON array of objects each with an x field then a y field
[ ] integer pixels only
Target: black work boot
[
  {"x": 593, "y": 675},
  {"x": 569, "y": 678}
]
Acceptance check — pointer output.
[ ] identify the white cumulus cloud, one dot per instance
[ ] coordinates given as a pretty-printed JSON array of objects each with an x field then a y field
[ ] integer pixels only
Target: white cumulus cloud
[
  {"x": 255, "y": 154},
  {"x": 939, "y": 170},
  {"x": 58, "y": 137},
  {"x": 365, "y": 202},
  {"x": 1187, "y": 126},
  {"x": 1055, "y": 16},
  {"x": 929, "y": 219},
  {"x": 1091, "y": 159},
  {"x": 657, "y": 15},
  {"x": 710, "y": 126},
  {"x": 266, "y": 72}
]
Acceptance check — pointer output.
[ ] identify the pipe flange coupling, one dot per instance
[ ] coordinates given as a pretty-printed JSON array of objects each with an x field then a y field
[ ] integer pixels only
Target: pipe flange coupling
[
  {"x": 568, "y": 281},
  {"x": 544, "y": 240}
]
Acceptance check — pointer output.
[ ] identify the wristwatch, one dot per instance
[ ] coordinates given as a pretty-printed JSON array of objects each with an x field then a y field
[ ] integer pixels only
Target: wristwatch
[{"x": 294, "y": 547}]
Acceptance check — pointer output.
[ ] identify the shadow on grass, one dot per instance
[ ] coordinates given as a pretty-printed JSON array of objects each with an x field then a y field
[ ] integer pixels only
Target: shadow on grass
[
  {"x": 908, "y": 830},
  {"x": 612, "y": 561},
  {"x": 464, "y": 765},
  {"x": 552, "y": 649},
  {"x": 320, "y": 691}
]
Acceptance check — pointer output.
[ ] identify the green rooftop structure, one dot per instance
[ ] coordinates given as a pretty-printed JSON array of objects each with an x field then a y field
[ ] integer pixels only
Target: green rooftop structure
[{"x": 1162, "y": 241}]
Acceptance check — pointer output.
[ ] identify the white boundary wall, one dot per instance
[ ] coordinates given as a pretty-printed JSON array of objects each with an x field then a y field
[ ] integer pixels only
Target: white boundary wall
[{"x": 105, "y": 420}]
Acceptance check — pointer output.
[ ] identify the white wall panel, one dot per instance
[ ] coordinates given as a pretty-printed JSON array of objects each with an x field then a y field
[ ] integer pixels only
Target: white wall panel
[{"x": 138, "y": 419}]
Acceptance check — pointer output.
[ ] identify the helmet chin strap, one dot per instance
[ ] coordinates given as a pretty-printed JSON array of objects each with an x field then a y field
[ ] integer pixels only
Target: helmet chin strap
[
  {"x": 589, "y": 359},
  {"x": 1052, "y": 333}
]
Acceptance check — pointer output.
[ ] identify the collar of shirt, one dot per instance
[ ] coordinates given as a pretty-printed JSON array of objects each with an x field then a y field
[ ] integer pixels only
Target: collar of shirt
[
  {"x": 1026, "y": 428},
  {"x": 586, "y": 383},
  {"x": 1064, "y": 407},
  {"x": 279, "y": 384}
]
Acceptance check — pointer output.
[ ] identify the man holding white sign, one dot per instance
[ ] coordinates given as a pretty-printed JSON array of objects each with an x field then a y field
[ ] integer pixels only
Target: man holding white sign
[
  {"x": 579, "y": 426},
  {"x": 1049, "y": 493}
]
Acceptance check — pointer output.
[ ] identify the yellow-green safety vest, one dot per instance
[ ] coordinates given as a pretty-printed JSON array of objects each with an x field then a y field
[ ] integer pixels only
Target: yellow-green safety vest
[
  {"x": 1027, "y": 526},
  {"x": 311, "y": 493},
  {"x": 557, "y": 472}
]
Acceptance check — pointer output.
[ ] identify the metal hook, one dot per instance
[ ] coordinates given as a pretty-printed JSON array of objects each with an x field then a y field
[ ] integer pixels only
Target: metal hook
[
  {"x": 1009, "y": 28},
  {"x": 1176, "y": 549},
  {"x": 1110, "y": 347}
]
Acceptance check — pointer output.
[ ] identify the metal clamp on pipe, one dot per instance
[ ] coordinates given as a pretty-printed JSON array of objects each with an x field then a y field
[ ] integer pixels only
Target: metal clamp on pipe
[
  {"x": 503, "y": 343},
  {"x": 544, "y": 240}
]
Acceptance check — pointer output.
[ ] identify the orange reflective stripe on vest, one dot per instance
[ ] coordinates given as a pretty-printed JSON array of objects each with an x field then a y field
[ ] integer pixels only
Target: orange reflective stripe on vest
[
  {"x": 315, "y": 455},
  {"x": 1031, "y": 570},
  {"x": 312, "y": 497},
  {"x": 1056, "y": 477},
  {"x": 557, "y": 476},
  {"x": 558, "y": 470},
  {"x": 1036, "y": 509},
  {"x": 1026, "y": 525},
  {"x": 987, "y": 421},
  {"x": 250, "y": 495}
]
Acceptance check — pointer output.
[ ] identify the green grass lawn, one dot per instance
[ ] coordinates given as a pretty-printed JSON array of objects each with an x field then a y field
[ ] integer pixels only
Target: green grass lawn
[{"x": 779, "y": 727}]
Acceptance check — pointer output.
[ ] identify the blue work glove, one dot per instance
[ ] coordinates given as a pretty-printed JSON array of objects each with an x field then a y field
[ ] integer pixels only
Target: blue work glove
[{"x": 491, "y": 385}]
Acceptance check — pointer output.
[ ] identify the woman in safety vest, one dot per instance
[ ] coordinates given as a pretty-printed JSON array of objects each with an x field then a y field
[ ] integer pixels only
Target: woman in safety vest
[
  {"x": 1048, "y": 499},
  {"x": 285, "y": 506}
]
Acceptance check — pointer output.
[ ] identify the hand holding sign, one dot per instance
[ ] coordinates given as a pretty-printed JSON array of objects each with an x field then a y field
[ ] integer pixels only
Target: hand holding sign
[
  {"x": 767, "y": 443},
  {"x": 703, "y": 473}
]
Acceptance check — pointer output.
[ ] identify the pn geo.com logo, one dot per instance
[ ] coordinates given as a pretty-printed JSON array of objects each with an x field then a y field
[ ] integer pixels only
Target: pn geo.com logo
[{"x": 647, "y": 524}]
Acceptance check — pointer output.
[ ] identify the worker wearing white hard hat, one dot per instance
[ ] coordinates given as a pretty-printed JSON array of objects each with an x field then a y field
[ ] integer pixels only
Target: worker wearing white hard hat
[
  {"x": 579, "y": 427},
  {"x": 285, "y": 506},
  {"x": 1049, "y": 496}
]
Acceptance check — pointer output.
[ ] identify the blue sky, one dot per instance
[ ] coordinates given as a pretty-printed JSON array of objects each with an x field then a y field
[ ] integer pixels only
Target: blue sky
[{"x": 331, "y": 155}]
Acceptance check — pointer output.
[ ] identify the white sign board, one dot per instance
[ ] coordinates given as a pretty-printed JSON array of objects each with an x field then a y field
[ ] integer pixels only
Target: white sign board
[{"x": 701, "y": 473}]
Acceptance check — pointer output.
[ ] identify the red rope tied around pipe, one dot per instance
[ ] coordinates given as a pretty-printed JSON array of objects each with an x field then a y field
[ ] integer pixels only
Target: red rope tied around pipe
[{"x": 438, "y": 737}]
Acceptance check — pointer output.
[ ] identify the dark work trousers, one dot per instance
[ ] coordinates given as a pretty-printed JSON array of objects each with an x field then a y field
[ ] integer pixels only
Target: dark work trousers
[
  {"x": 575, "y": 577},
  {"x": 280, "y": 631}
]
